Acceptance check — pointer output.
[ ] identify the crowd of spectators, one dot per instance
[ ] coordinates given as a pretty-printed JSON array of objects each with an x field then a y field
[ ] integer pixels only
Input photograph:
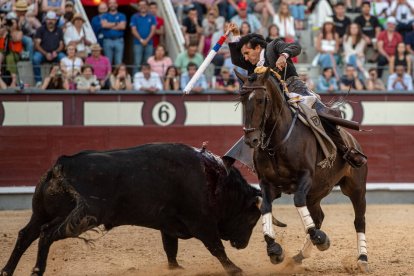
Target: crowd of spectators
[{"x": 379, "y": 34}]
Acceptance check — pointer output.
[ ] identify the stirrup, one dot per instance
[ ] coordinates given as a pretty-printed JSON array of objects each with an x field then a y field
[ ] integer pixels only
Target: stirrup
[{"x": 355, "y": 158}]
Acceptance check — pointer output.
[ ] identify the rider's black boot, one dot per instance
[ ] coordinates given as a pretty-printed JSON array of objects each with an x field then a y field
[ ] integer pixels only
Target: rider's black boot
[{"x": 353, "y": 156}]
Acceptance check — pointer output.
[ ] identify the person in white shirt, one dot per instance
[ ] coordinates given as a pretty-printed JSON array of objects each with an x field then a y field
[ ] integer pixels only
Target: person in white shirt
[
  {"x": 200, "y": 85},
  {"x": 285, "y": 22},
  {"x": 71, "y": 64},
  {"x": 147, "y": 80},
  {"x": 75, "y": 34},
  {"x": 400, "y": 80}
]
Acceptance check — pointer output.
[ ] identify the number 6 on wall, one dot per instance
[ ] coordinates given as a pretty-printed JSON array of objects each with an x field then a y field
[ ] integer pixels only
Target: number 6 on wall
[{"x": 164, "y": 113}]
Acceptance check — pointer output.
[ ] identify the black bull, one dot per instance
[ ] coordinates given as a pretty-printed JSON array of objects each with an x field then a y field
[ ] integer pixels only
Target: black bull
[{"x": 181, "y": 191}]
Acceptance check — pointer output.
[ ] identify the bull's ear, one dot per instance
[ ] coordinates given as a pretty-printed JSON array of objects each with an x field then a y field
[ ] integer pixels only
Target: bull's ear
[{"x": 240, "y": 76}]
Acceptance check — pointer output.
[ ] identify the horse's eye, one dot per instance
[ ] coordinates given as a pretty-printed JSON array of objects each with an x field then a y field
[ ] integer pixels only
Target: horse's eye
[{"x": 259, "y": 101}]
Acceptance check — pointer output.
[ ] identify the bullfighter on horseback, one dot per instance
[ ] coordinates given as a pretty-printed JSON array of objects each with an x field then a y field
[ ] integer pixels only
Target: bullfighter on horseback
[{"x": 252, "y": 51}]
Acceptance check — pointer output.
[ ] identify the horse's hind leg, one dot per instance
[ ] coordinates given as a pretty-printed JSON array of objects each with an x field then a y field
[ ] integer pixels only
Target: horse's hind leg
[
  {"x": 357, "y": 195},
  {"x": 25, "y": 238}
]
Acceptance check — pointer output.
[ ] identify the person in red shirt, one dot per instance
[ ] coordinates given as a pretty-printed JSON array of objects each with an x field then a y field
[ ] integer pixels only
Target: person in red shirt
[
  {"x": 159, "y": 29},
  {"x": 387, "y": 43}
]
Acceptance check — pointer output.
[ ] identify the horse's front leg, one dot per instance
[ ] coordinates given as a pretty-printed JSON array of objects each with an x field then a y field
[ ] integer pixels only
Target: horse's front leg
[
  {"x": 274, "y": 250},
  {"x": 316, "y": 236}
]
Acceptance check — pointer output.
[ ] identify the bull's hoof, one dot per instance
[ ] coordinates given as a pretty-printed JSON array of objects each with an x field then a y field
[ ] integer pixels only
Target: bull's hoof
[
  {"x": 4, "y": 273},
  {"x": 173, "y": 266},
  {"x": 319, "y": 239},
  {"x": 363, "y": 264},
  {"x": 235, "y": 271}
]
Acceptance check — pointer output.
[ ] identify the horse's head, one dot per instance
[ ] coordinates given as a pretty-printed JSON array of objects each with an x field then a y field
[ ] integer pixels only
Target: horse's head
[{"x": 257, "y": 106}]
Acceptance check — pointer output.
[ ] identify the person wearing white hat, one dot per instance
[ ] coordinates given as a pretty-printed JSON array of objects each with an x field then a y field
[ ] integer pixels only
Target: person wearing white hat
[
  {"x": 49, "y": 44},
  {"x": 303, "y": 74},
  {"x": 387, "y": 43}
]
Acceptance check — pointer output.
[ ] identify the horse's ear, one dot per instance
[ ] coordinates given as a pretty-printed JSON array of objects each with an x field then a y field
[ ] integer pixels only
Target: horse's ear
[
  {"x": 267, "y": 74},
  {"x": 240, "y": 76}
]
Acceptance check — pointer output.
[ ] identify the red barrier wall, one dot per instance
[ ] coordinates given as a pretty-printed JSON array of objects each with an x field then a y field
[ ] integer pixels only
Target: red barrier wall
[{"x": 27, "y": 152}]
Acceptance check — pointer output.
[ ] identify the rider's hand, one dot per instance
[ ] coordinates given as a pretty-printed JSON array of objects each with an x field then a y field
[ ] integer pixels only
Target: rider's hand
[
  {"x": 234, "y": 29},
  {"x": 281, "y": 62}
]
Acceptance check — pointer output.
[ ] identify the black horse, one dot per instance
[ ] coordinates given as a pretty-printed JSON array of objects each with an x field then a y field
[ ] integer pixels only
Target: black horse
[{"x": 286, "y": 157}]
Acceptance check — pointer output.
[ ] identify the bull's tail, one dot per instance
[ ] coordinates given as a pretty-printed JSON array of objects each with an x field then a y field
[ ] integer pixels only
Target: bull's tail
[
  {"x": 37, "y": 200},
  {"x": 78, "y": 221},
  {"x": 79, "y": 218}
]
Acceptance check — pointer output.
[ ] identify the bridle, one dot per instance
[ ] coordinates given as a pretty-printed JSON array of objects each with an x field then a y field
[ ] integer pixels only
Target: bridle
[
  {"x": 264, "y": 144},
  {"x": 245, "y": 90}
]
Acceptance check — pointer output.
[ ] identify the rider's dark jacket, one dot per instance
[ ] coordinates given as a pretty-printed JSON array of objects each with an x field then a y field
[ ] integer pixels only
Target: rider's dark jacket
[{"x": 272, "y": 53}]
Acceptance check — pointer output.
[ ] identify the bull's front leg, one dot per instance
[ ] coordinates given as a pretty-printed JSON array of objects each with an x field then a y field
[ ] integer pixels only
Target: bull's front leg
[
  {"x": 274, "y": 250},
  {"x": 316, "y": 236},
  {"x": 216, "y": 248}
]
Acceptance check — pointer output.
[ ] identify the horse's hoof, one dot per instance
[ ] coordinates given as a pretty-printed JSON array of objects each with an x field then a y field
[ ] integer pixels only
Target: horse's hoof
[
  {"x": 324, "y": 246},
  {"x": 36, "y": 272},
  {"x": 363, "y": 264},
  {"x": 320, "y": 239},
  {"x": 298, "y": 258},
  {"x": 4, "y": 273},
  {"x": 277, "y": 259},
  {"x": 275, "y": 253}
]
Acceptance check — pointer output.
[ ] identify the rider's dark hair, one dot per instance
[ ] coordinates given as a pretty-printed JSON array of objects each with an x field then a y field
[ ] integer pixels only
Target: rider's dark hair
[
  {"x": 252, "y": 40},
  {"x": 366, "y": 3}
]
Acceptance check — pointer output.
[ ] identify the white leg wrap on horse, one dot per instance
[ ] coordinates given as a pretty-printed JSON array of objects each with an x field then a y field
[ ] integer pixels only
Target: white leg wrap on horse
[
  {"x": 362, "y": 244},
  {"x": 307, "y": 247},
  {"x": 268, "y": 226},
  {"x": 306, "y": 218}
]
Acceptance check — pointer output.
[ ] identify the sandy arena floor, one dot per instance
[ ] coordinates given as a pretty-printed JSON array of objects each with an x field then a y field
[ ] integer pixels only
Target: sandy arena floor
[{"x": 138, "y": 251}]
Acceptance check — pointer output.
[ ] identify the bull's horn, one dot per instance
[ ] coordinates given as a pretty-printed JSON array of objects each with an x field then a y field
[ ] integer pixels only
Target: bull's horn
[
  {"x": 278, "y": 223},
  {"x": 259, "y": 201}
]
